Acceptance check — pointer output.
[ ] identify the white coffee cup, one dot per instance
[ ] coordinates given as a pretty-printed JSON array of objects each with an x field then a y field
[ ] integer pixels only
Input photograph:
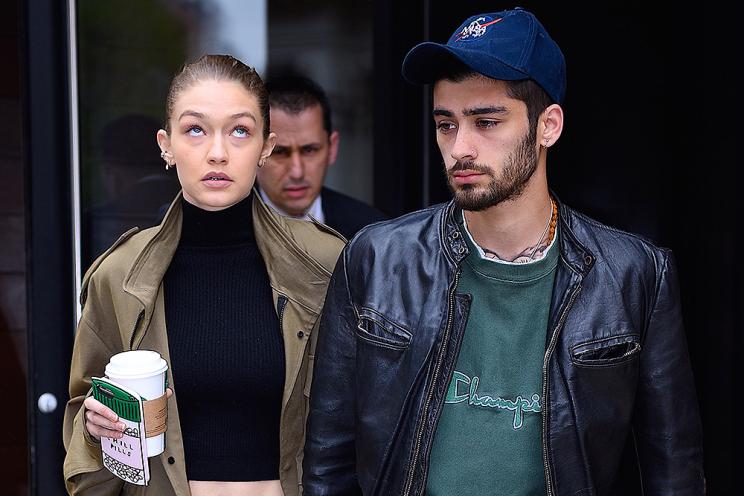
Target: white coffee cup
[{"x": 144, "y": 372}]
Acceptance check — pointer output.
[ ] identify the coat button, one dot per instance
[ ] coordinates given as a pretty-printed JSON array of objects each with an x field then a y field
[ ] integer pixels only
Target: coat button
[
  {"x": 300, "y": 334},
  {"x": 171, "y": 460},
  {"x": 588, "y": 259}
]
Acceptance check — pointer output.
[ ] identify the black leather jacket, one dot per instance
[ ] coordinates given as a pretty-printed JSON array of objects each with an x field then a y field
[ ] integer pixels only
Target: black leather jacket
[{"x": 615, "y": 363}]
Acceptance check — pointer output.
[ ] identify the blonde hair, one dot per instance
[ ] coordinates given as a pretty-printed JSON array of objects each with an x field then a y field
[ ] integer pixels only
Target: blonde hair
[{"x": 218, "y": 68}]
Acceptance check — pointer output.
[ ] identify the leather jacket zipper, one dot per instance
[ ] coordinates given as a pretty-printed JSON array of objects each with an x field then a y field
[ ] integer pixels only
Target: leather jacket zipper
[
  {"x": 546, "y": 361},
  {"x": 440, "y": 358}
]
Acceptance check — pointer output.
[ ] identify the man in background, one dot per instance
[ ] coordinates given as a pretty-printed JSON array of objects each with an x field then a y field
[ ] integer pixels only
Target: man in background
[{"x": 292, "y": 181}]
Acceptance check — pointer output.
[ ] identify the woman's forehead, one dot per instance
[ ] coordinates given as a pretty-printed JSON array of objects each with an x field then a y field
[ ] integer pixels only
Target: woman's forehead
[{"x": 216, "y": 94}]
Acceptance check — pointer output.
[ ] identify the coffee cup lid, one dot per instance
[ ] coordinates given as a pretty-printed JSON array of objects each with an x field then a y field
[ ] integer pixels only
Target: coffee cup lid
[{"x": 135, "y": 364}]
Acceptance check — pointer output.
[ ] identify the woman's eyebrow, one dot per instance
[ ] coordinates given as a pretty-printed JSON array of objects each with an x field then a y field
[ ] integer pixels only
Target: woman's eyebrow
[
  {"x": 244, "y": 114},
  {"x": 191, "y": 113}
]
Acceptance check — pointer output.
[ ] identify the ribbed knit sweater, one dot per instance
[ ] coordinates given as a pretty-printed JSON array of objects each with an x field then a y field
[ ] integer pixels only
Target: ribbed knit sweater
[{"x": 226, "y": 347}]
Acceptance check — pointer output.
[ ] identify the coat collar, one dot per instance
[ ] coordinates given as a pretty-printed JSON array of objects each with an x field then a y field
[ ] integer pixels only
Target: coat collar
[
  {"x": 282, "y": 242},
  {"x": 285, "y": 245},
  {"x": 149, "y": 266}
]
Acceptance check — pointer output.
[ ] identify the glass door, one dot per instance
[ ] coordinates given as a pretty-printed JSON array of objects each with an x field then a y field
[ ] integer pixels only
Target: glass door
[{"x": 126, "y": 56}]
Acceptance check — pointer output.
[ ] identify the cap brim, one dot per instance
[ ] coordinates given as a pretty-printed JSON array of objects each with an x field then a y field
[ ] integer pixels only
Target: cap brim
[{"x": 428, "y": 62}]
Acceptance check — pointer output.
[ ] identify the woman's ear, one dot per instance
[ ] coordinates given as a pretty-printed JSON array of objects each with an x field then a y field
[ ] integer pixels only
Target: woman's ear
[
  {"x": 268, "y": 146},
  {"x": 163, "y": 140},
  {"x": 551, "y": 125},
  {"x": 165, "y": 144}
]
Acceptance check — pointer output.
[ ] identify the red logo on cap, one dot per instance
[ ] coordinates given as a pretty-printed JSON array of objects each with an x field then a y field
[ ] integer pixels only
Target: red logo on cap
[{"x": 476, "y": 28}]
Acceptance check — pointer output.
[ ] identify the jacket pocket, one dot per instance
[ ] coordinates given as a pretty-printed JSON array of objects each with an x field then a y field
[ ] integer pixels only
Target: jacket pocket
[
  {"x": 375, "y": 329},
  {"x": 606, "y": 352}
]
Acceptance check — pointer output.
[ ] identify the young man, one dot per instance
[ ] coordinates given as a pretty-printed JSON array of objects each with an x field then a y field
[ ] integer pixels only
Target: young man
[
  {"x": 292, "y": 181},
  {"x": 502, "y": 343}
]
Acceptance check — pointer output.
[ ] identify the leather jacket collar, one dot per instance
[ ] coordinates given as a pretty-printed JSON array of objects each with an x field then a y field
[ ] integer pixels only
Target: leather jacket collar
[{"x": 574, "y": 254}]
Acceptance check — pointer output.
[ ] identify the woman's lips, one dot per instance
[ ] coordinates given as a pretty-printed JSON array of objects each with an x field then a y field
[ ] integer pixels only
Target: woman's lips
[{"x": 216, "y": 180}]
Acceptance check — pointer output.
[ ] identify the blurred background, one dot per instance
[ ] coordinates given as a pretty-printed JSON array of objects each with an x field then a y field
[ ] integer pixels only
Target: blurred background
[{"x": 649, "y": 146}]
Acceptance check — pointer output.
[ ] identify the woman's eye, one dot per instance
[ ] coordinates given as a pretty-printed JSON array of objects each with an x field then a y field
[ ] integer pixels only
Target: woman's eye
[
  {"x": 195, "y": 131},
  {"x": 240, "y": 132}
]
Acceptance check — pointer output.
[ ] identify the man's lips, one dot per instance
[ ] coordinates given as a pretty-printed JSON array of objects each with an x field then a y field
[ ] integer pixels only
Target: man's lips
[
  {"x": 466, "y": 176},
  {"x": 296, "y": 191}
]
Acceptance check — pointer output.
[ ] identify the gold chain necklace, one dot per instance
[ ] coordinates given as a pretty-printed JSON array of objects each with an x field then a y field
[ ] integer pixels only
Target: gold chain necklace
[{"x": 549, "y": 230}]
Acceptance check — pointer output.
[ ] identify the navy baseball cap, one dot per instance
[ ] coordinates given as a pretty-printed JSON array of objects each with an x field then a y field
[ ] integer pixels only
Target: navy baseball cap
[{"x": 510, "y": 45}]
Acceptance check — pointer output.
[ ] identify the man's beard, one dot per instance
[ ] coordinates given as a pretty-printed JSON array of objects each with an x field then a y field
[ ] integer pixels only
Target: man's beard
[{"x": 519, "y": 167}]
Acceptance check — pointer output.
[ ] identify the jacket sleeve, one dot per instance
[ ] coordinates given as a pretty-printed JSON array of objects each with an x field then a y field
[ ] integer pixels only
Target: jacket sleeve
[
  {"x": 83, "y": 468},
  {"x": 329, "y": 466},
  {"x": 667, "y": 426}
]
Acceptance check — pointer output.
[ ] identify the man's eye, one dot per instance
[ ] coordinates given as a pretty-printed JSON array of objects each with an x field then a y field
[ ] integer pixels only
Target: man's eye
[
  {"x": 309, "y": 150},
  {"x": 444, "y": 127},
  {"x": 280, "y": 152},
  {"x": 486, "y": 123},
  {"x": 195, "y": 131}
]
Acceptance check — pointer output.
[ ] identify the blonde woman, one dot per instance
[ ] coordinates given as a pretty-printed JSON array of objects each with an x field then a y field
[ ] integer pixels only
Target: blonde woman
[{"x": 226, "y": 291}]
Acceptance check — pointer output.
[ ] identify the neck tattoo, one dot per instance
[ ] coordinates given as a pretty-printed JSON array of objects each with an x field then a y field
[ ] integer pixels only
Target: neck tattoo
[{"x": 536, "y": 251}]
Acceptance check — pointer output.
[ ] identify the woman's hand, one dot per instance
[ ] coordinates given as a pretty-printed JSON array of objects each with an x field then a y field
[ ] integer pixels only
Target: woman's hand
[{"x": 102, "y": 421}]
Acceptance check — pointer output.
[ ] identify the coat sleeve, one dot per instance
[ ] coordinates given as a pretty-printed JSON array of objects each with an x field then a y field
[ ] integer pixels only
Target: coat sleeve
[
  {"x": 83, "y": 467},
  {"x": 329, "y": 466},
  {"x": 667, "y": 423}
]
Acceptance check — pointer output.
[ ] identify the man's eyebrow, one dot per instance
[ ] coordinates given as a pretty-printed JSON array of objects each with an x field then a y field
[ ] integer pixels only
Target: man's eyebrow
[
  {"x": 485, "y": 110},
  {"x": 442, "y": 112},
  {"x": 473, "y": 111}
]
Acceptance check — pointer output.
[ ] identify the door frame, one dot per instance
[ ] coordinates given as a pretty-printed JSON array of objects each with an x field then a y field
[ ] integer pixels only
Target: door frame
[{"x": 49, "y": 231}]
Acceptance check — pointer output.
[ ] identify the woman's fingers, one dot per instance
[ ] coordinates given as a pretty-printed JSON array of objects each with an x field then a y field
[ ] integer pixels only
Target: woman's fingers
[
  {"x": 99, "y": 426},
  {"x": 100, "y": 420}
]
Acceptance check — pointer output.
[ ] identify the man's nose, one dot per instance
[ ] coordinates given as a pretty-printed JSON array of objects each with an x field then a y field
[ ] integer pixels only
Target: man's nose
[
  {"x": 463, "y": 149},
  {"x": 296, "y": 166}
]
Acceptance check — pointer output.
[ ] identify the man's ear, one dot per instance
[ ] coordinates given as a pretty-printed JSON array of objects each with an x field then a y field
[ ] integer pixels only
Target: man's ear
[
  {"x": 333, "y": 141},
  {"x": 551, "y": 125}
]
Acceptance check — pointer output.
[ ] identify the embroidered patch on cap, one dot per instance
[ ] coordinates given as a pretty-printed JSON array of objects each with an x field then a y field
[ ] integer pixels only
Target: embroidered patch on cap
[{"x": 477, "y": 28}]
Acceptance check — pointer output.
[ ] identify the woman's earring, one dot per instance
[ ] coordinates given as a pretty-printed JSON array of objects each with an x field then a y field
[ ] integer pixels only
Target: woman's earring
[
  {"x": 261, "y": 163},
  {"x": 163, "y": 155}
]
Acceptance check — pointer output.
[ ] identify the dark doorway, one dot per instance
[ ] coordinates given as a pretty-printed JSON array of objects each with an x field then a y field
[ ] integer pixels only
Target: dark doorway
[{"x": 13, "y": 324}]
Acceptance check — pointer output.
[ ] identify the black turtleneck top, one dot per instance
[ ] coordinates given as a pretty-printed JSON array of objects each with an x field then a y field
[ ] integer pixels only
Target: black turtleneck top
[{"x": 226, "y": 347}]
